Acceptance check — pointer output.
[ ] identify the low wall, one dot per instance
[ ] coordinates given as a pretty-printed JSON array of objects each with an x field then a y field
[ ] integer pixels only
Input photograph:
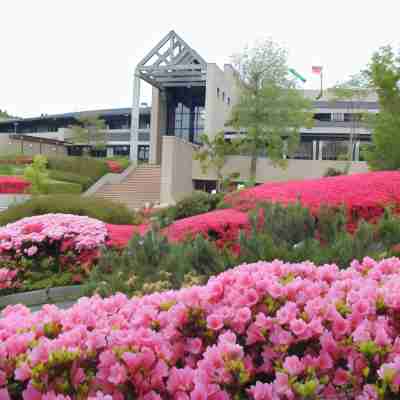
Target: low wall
[
  {"x": 108, "y": 179},
  {"x": 295, "y": 170},
  {"x": 7, "y": 200},
  {"x": 176, "y": 169}
]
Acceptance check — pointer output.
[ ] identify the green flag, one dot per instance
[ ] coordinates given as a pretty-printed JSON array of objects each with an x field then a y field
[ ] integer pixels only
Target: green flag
[{"x": 297, "y": 75}]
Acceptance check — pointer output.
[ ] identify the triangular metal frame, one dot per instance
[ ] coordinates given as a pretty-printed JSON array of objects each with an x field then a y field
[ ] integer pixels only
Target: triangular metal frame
[{"x": 172, "y": 63}]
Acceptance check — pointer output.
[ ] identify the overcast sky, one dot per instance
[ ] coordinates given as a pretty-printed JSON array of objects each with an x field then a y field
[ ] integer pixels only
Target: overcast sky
[{"x": 69, "y": 55}]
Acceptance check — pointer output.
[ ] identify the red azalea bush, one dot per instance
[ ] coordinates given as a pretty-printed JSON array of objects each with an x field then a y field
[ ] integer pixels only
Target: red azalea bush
[
  {"x": 114, "y": 166},
  {"x": 364, "y": 195},
  {"x": 13, "y": 185},
  {"x": 265, "y": 331},
  {"x": 223, "y": 226}
]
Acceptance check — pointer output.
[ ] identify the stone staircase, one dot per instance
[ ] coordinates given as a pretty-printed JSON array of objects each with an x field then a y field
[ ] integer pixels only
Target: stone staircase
[{"x": 141, "y": 186}]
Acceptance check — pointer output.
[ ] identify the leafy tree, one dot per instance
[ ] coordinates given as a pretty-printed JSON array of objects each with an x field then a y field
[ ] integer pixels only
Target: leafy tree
[
  {"x": 270, "y": 108},
  {"x": 214, "y": 154},
  {"x": 353, "y": 91},
  {"x": 384, "y": 76},
  {"x": 37, "y": 174},
  {"x": 90, "y": 131},
  {"x": 4, "y": 114}
]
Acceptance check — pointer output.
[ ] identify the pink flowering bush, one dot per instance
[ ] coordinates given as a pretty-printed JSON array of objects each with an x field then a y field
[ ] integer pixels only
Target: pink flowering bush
[
  {"x": 264, "y": 331},
  {"x": 50, "y": 241},
  {"x": 7, "y": 278}
]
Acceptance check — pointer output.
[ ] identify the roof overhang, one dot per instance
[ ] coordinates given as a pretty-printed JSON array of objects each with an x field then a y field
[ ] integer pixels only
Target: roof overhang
[{"x": 172, "y": 63}]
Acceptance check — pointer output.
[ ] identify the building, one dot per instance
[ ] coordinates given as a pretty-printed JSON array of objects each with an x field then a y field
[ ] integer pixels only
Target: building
[{"x": 191, "y": 96}]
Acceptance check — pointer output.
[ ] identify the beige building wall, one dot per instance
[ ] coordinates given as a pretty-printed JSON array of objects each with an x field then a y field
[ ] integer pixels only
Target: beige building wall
[
  {"x": 30, "y": 148},
  {"x": 176, "y": 169},
  {"x": 158, "y": 125},
  {"x": 221, "y": 95},
  {"x": 296, "y": 169}
]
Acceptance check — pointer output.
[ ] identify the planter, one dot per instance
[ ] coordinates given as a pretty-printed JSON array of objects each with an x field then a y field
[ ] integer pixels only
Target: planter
[{"x": 43, "y": 296}]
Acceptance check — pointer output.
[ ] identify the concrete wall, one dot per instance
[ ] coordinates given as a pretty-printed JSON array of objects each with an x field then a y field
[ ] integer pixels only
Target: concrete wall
[
  {"x": 158, "y": 125},
  {"x": 296, "y": 169},
  {"x": 217, "y": 108},
  {"x": 176, "y": 169}
]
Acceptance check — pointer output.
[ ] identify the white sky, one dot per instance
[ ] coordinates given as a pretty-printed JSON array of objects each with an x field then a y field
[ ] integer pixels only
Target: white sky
[{"x": 69, "y": 55}]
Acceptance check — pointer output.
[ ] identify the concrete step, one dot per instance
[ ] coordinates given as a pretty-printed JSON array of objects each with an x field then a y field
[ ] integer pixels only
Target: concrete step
[{"x": 142, "y": 186}]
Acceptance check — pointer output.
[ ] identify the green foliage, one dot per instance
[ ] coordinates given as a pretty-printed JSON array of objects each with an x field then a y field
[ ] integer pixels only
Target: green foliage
[
  {"x": 384, "y": 76},
  {"x": 388, "y": 228},
  {"x": 197, "y": 203},
  {"x": 88, "y": 167},
  {"x": 36, "y": 173},
  {"x": 333, "y": 172},
  {"x": 269, "y": 107},
  {"x": 6, "y": 169},
  {"x": 52, "y": 187},
  {"x": 214, "y": 154},
  {"x": 71, "y": 177},
  {"x": 292, "y": 235},
  {"x": 151, "y": 263},
  {"x": 90, "y": 130},
  {"x": 104, "y": 210}
]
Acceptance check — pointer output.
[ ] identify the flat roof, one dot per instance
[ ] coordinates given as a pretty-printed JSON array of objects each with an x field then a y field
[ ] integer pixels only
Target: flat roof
[{"x": 103, "y": 113}]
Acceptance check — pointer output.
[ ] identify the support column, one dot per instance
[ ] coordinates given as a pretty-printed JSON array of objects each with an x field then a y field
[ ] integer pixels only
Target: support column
[
  {"x": 357, "y": 151},
  {"x": 321, "y": 146},
  {"x": 158, "y": 124},
  {"x": 135, "y": 118},
  {"x": 314, "y": 150}
]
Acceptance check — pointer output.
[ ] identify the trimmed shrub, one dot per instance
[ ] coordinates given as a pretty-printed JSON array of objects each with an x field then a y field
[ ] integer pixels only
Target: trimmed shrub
[
  {"x": 84, "y": 166},
  {"x": 333, "y": 172},
  {"x": 264, "y": 331},
  {"x": 51, "y": 187},
  {"x": 197, "y": 203},
  {"x": 65, "y": 176},
  {"x": 104, "y": 210}
]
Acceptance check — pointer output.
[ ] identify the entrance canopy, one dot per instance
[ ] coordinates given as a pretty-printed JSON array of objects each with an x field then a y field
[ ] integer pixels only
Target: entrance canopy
[{"x": 172, "y": 63}]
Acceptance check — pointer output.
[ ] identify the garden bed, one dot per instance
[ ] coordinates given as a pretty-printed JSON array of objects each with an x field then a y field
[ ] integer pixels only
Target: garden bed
[{"x": 259, "y": 331}]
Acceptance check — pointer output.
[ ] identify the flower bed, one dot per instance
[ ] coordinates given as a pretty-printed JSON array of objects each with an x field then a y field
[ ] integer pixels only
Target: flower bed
[
  {"x": 114, "y": 166},
  {"x": 223, "y": 226},
  {"x": 262, "y": 331},
  {"x": 13, "y": 184},
  {"x": 364, "y": 195},
  {"x": 50, "y": 241}
]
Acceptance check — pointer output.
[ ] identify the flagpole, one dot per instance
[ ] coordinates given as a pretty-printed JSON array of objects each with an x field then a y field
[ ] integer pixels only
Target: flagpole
[{"x": 322, "y": 87}]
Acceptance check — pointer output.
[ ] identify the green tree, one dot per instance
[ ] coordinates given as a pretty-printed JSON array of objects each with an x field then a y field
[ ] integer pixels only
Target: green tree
[
  {"x": 383, "y": 73},
  {"x": 37, "y": 175},
  {"x": 4, "y": 114},
  {"x": 270, "y": 108},
  {"x": 90, "y": 130},
  {"x": 353, "y": 92},
  {"x": 214, "y": 154}
]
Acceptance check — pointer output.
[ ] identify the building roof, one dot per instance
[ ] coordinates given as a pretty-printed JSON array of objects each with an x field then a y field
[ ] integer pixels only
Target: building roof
[{"x": 103, "y": 113}]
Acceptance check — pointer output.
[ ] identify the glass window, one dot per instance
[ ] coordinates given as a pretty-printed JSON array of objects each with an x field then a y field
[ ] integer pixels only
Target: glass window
[
  {"x": 121, "y": 151},
  {"x": 143, "y": 153}
]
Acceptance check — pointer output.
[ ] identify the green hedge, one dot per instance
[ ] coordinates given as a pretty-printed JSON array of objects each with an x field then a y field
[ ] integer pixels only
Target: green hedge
[
  {"x": 104, "y": 210},
  {"x": 62, "y": 188},
  {"x": 84, "y": 166},
  {"x": 65, "y": 176}
]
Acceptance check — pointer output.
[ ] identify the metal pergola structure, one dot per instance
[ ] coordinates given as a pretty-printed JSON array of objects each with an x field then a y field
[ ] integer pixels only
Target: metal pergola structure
[{"x": 171, "y": 63}]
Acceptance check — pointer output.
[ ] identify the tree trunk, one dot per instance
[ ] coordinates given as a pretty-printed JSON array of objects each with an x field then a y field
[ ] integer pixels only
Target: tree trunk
[{"x": 253, "y": 168}]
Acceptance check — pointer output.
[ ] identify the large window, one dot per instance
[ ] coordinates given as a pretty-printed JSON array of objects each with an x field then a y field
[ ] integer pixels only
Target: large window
[
  {"x": 143, "y": 153},
  {"x": 186, "y": 112},
  {"x": 334, "y": 150},
  {"x": 121, "y": 151},
  {"x": 304, "y": 151}
]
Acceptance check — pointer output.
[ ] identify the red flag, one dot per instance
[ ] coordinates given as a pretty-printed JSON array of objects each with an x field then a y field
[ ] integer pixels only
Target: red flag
[{"x": 317, "y": 70}]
